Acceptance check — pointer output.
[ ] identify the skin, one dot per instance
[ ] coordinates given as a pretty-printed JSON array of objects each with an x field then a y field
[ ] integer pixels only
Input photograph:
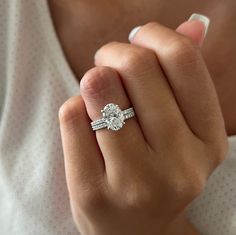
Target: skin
[
  {"x": 140, "y": 180},
  {"x": 102, "y": 23}
]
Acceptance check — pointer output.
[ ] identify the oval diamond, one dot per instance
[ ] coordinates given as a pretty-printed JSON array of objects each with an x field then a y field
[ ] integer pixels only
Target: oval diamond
[{"x": 113, "y": 116}]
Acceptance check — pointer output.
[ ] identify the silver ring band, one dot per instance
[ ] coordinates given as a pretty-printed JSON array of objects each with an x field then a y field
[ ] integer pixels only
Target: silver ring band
[{"x": 113, "y": 117}]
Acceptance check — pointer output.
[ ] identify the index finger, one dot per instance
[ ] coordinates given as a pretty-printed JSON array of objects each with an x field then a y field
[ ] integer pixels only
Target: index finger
[{"x": 188, "y": 77}]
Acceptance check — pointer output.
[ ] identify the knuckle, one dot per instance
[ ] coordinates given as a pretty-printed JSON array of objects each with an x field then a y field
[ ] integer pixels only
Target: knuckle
[
  {"x": 219, "y": 151},
  {"x": 150, "y": 25},
  {"x": 108, "y": 47},
  {"x": 139, "y": 60},
  {"x": 139, "y": 196},
  {"x": 91, "y": 200},
  {"x": 96, "y": 81},
  {"x": 183, "y": 51},
  {"x": 70, "y": 110},
  {"x": 195, "y": 185},
  {"x": 188, "y": 186}
]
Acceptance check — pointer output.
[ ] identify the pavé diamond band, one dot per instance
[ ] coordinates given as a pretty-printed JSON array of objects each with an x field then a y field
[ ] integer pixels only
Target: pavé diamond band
[{"x": 113, "y": 118}]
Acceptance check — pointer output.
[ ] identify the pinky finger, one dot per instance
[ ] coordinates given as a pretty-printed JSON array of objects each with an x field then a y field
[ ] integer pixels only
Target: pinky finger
[{"x": 84, "y": 163}]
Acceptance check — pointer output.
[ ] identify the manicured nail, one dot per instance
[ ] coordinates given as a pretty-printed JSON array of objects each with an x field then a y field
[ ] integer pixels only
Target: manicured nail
[
  {"x": 96, "y": 54},
  {"x": 204, "y": 19},
  {"x": 133, "y": 32}
]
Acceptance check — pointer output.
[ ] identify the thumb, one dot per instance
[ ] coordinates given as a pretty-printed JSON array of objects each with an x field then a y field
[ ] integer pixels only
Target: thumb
[{"x": 195, "y": 28}]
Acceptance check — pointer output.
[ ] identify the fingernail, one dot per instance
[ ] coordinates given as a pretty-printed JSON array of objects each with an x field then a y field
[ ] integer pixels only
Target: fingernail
[
  {"x": 204, "y": 19},
  {"x": 133, "y": 32},
  {"x": 96, "y": 54}
]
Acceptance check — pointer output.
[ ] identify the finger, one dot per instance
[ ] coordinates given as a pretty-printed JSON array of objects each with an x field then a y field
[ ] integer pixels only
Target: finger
[
  {"x": 147, "y": 88},
  {"x": 195, "y": 30},
  {"x": 84, "y": 164},
  {"x": 188, "y": 76},
  {"x": 100, "y": 86}
]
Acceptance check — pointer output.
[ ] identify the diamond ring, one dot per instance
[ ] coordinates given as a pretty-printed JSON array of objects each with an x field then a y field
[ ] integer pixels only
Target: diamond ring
[{"x": 113, "y": 118}]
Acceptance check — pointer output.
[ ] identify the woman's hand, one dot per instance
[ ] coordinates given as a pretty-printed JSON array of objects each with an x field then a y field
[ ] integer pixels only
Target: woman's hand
[{"x": 140, "y": 179}]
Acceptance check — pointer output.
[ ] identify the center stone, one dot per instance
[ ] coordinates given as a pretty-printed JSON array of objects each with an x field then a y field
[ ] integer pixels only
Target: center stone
[{"x": 113, "y": 116}]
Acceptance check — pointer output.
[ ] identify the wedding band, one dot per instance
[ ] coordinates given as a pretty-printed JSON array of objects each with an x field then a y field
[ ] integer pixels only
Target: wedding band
[{"x": 113, "y": 118}]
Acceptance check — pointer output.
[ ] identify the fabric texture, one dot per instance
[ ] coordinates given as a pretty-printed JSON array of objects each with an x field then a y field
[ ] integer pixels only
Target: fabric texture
[{"x": 35, "y": 80}]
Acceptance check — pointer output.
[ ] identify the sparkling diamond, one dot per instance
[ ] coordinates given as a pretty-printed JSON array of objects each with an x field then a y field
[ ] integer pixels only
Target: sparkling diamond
[{"x": 113, "y": 116}]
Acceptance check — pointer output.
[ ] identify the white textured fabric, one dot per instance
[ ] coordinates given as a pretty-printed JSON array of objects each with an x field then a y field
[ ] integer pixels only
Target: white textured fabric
[
  {"x": 35, "y": 80},
  {"x": 214, "y": 211}
]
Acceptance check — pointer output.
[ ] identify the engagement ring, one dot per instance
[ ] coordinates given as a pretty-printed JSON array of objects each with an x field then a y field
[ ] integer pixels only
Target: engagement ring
[{"x": 113, "y": 118}]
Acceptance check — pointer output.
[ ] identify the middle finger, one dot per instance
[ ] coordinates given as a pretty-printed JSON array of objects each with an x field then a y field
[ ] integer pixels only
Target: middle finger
[{"x": 146, "y": 86}]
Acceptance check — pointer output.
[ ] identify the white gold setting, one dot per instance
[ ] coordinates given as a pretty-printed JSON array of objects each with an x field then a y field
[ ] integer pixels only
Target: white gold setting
[{"x": 113, "y": 118}]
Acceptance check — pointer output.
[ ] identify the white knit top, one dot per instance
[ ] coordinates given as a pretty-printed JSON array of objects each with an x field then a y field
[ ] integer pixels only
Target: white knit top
[{"x": 35, "y": 80}]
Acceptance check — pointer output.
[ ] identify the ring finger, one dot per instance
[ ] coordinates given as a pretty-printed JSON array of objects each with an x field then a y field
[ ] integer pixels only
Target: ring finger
[{"x": 102, "y": 85}]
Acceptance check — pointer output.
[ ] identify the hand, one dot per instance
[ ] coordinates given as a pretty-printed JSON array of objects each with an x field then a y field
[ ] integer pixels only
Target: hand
[{"x": 140, "y": 179}]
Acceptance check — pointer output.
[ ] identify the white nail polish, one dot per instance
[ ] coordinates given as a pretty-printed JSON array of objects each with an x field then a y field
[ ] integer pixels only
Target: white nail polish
[
  {"x": 133, "y": 32},
  {"x": 202, "y": 18},
  {"x": 95, "y": 55}
]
